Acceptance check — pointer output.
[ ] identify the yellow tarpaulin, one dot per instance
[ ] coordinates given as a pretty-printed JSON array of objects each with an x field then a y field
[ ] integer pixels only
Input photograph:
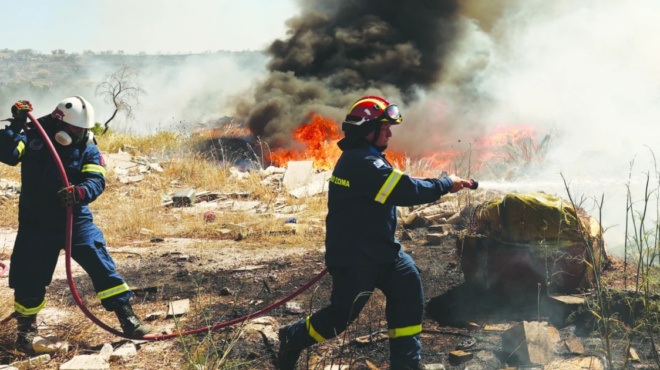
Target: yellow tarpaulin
[{"x": 536, "y": 233}]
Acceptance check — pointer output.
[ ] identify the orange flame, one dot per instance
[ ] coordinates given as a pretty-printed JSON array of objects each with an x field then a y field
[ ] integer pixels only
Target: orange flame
[
  {"x": 508, "y": 136},
  {"x": 507, "y": 142},
  {"x": 317, "y": 141}
]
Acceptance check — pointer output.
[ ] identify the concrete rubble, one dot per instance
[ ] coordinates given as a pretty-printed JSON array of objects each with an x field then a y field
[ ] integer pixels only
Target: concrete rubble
[
  {"x": 9, "y": 189},
  {"x": 298, "y": 173},
  {"x": 49, "y": 345},
  {"x": 99, "y": 361},
  {"x": 178, "y": 308},
  {"x": 530, "y": 343}
]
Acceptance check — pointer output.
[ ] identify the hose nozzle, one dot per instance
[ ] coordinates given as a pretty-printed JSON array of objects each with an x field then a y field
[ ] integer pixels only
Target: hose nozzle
[{"x": 474, "y": 184}]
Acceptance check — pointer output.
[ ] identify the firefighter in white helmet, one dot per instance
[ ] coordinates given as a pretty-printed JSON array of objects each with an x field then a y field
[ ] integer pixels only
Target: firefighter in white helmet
[{"x": 42, "y": 213}]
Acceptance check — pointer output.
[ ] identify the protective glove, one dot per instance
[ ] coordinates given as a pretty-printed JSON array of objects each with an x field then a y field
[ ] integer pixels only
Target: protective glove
[
  {"x": 20, "y": 109},
  {"x": 71, "y": 195},
  {"x": 19, "y": 112}
]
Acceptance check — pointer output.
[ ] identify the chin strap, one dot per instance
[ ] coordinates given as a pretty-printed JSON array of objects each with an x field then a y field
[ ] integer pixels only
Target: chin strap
[
  {"x": 355, "y": 136},
  {"x": 375, "y": 139},
  {"x": 376, "y": 132}
]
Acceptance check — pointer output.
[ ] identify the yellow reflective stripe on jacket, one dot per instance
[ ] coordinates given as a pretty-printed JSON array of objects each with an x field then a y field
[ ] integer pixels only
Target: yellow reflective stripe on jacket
[
  {"x": 28, "y": 311},
  {"x": 312, "y": 332},
  {"x": 405, "y": 332},
  {"x": 94, "y": 168},
  {"x": 113, "y": 291},
  {"x": 388, "y": 186},
  {"x": 20, "y": 148}
]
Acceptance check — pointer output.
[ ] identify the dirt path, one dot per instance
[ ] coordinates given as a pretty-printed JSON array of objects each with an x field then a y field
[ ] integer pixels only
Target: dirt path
[{"x": 138, "y": 259}]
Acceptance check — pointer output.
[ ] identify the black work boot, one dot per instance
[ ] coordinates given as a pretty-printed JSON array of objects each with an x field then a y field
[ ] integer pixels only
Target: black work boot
[
  {"x": 130, "y": 324},
  {"x": 27, "y": 330},
  {"x": 287, "y": 357}
]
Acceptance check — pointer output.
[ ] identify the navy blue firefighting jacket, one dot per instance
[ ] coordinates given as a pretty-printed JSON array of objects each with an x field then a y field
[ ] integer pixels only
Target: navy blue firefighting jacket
[
  {"x": 40, "y": 178},
  {"x": 364, "y": 192}
]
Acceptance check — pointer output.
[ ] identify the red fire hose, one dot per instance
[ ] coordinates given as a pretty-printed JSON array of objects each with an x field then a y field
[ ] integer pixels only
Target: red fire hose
[{"x": 83, "y": 308}]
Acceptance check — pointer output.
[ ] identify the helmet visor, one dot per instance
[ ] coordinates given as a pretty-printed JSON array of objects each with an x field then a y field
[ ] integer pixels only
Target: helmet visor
[{"x": 392, "y": 114}]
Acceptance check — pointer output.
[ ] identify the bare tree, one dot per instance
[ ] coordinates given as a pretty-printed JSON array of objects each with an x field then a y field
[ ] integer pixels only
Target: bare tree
[{"x": 121, "y": 89}]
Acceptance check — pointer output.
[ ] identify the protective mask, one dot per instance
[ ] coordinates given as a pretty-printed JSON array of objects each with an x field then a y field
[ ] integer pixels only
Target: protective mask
[{"x": 64, "y": 138}]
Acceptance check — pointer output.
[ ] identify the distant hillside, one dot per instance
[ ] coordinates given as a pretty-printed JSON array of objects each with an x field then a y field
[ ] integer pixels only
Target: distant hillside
[
  {"x": 25, "y": 66},
  {"x": 196, "y": 78}
]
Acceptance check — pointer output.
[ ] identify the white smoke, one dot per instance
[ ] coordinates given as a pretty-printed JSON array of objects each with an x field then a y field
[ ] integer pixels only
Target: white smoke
[
  {"x": 183, "y": 96},
  {"x": 187, "y": 96},
  {"x": 588, "y": 73}
]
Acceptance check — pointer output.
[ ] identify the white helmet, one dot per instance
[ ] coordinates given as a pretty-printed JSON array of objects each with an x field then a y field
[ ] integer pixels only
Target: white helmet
[{"x": 75, "y": 111}]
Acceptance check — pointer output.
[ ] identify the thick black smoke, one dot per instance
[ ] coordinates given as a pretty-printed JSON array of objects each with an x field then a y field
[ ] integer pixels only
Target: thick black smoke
[{"x": 337, "y": 51}]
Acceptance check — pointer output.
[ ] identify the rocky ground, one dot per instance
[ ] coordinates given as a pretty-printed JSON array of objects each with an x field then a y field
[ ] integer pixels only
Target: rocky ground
[{"x": 224, "y": 280}]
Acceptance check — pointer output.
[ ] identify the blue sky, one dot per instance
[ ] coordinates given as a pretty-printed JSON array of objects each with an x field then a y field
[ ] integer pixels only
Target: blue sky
[{"x": 151, "y": 26}]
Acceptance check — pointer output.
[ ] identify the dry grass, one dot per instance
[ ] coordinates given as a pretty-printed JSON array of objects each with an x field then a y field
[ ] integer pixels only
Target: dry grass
[
  {"x": 135, "y": 211},
  {"x": 153, "y": 145},
  {"x": 128, "y": 212}
]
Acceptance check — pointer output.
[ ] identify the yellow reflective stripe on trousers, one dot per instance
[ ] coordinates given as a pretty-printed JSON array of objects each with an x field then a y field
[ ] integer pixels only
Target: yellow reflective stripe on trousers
[
  {"x": 312, "y": 332},
  {"x": 93, "y": 168},
  {"x": 28, "y": 311},
  {"x": 405, "y": 332},
  {"x": 388, "y": 186},
  {"x": 113, "y": 291}
]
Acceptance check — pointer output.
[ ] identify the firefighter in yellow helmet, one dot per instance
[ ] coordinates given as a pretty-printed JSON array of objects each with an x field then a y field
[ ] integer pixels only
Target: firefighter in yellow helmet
[{"x": 362, "y": 252}]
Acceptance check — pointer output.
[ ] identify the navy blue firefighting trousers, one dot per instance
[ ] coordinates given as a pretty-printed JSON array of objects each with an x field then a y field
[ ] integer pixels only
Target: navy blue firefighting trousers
[
  {"x": 352, "y": 286},
  {"x": 34, "y": 259}
]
